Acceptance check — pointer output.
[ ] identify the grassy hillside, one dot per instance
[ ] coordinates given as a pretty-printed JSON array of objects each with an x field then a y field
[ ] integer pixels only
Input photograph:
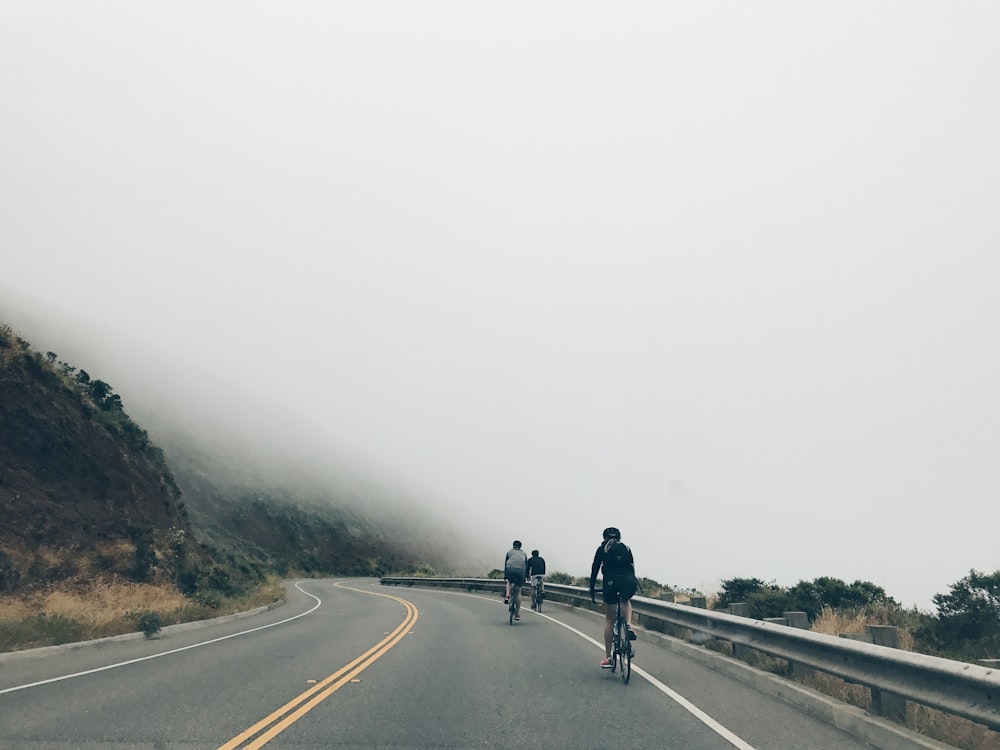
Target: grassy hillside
[
  {"x": 91, "y": 510},
  {"x": 83, "y": 492}
]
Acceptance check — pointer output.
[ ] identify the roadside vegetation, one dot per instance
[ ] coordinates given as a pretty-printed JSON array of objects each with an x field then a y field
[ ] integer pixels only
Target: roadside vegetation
[
  {"x": 98, "y": 538},
  {"x": 965, "y": 627},
  {"x": 80, "y": 610}
]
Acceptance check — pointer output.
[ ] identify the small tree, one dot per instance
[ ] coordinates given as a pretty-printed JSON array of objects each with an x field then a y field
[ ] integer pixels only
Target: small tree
[
  {"x": 738, "y": 590},
  {"x": 968, "y": 621}
]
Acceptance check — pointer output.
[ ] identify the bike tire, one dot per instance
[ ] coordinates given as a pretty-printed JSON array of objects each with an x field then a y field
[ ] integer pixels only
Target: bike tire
[
  {"x": 538, "y": 601},
  {"x": 626, "y": 653}
]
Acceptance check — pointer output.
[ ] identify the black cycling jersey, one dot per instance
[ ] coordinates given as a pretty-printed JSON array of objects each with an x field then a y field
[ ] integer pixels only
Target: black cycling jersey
[
  {"x": 600, "y": 562},
  {"x": 536, "y": 566}
]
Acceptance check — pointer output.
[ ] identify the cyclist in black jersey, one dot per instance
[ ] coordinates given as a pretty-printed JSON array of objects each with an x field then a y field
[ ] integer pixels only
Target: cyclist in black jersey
[
  {"x": 615, "y": 559},
  {"x": 536, "y": 570}
]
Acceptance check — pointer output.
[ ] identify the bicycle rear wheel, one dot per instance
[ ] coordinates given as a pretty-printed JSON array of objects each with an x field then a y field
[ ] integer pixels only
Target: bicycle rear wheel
[
  {"x": 538, "y": 598},
  {"x": 626, "y": 651},
  {"x": 615, "y": 651},
  {"x": 510, "y": 610}
]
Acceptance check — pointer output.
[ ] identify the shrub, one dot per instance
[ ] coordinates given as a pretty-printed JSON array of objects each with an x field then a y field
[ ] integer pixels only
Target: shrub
[
  {"x": 968, "y": 623},
  {"x": 559, "y": 577},
  {"x": 424, "y": 571},
  {"x": 149, "y": 623}
]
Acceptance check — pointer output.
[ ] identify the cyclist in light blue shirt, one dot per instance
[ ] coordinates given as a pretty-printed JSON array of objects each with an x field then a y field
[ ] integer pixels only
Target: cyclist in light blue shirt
[{"x": 514, "y": 569}]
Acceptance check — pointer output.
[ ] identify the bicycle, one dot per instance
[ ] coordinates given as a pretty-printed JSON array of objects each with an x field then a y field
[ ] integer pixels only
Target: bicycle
[
  {"x": 622, "y": 650},
  {"x": 536, "y": 593},
  {"x": 514, "y": 605}
]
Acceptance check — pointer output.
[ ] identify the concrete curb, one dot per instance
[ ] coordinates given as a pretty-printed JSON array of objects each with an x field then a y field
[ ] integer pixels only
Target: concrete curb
[
  {"x": 857, "y": 722},
  {"x": 34, "y": 653}
]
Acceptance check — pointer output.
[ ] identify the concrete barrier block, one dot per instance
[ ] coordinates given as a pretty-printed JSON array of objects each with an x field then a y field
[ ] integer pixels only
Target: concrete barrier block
[
  {"x": 740, "y": 609},
  {"x": 884, "y": 635},
  {"x": 798, "y": 620}
]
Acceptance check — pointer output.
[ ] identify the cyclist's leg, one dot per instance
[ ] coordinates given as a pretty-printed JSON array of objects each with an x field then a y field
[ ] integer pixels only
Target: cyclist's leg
[
  {"x": 629, "y": 589},
  {"x": 610, "y": 597},
  {"x": 610, "y": 613}
]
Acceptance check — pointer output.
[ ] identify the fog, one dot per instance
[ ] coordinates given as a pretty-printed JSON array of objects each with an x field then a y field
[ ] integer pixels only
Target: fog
[{"x": 723, "y": 275}]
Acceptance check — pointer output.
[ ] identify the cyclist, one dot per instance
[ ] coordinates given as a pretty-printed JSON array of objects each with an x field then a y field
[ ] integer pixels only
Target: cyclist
[
  {"x": 514, "y": 568},
  {"x": 618, "y": 565},
  {"x": 535, "y": 570}
]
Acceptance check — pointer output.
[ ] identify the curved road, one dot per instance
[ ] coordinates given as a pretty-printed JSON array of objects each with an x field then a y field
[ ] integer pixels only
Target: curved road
[{"x": 352, "y": 664}]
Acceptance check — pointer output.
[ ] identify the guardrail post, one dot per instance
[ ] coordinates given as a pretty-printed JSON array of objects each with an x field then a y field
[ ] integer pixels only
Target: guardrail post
[
  {"x": 884, "y": 635},
  {"x": 698, "y": 601},
  {"x": 666, "y": 596},
  {"x": 740, "y": 609},
  {"x": 885, "y": 703},
  {"x": 798, "y": 619}
]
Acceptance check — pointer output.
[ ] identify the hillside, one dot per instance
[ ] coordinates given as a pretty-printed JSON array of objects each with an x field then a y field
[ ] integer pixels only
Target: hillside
[{"x": 85, "y": 493}]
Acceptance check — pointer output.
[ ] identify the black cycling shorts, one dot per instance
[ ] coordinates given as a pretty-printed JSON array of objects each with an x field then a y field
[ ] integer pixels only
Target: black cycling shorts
[
  {"x": 516, "y": 577},
  {"x": 626, "y": 584}
]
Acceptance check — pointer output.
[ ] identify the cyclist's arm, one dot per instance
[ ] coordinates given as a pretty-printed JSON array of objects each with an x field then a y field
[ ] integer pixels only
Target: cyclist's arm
[{"x": 595, "y": 567}]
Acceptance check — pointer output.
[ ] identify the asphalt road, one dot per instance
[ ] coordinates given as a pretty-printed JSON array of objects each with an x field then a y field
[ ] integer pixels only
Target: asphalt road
[{"x": 352, "y": 664}]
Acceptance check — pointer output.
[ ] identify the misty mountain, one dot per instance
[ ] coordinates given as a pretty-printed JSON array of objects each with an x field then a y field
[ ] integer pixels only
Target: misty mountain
[{"x": 250, "y": 488}]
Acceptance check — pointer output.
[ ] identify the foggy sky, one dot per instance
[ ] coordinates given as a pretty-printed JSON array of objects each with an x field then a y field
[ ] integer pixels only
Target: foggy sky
[{"x": 722, "y": 274}]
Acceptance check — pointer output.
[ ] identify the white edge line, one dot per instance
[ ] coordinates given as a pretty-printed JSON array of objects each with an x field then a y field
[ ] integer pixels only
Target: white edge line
[
  {"x": 672, "y": 694},
  {"x": 166, "y": 653}
]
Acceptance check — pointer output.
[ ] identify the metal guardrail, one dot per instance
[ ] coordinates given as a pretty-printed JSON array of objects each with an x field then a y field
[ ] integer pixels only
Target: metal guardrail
[{"x": 967, "y": 690}]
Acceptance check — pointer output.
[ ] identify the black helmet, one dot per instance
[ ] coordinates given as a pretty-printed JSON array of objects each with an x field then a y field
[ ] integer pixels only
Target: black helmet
[
  {"x": 612, "y": 533},
  {"x": 517, "y": 544},
  {"x": 534, "y": 553}
]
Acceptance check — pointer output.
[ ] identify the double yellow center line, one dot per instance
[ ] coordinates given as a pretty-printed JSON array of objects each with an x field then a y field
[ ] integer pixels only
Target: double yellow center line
[{"x": 298, "y": 707}]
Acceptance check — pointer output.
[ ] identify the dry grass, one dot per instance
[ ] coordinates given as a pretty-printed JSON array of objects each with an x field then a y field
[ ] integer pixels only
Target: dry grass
[
  {"x": 953, "y": 730},
  {"x": 87, "y": 609},
  {"x": 957, "y": 732},
  {"x": 94, "y": 603},
  {"x": 834, "y": 623}
]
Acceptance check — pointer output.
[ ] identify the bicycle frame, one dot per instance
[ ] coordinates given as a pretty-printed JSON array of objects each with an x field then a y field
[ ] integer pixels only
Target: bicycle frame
[
  {"x": 536, "y": 593},
  {"x": 621, "y": 646},
  {"x": 514, "y": 606}
]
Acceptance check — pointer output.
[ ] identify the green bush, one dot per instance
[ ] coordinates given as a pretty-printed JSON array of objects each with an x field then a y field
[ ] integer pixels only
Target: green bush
[
  {"x": 559, "y": 577},
  {"x": 968, "y": 622},
  {"x": 149, "y": 623},
  {"x": 771, "y": 600}
]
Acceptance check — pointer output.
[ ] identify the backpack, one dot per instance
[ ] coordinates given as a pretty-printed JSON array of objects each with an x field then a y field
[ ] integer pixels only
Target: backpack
[{"x": 616, "y": 555}]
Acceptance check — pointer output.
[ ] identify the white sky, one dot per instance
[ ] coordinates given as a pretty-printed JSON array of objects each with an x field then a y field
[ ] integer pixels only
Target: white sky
[{"x": 723, "y": 274}]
